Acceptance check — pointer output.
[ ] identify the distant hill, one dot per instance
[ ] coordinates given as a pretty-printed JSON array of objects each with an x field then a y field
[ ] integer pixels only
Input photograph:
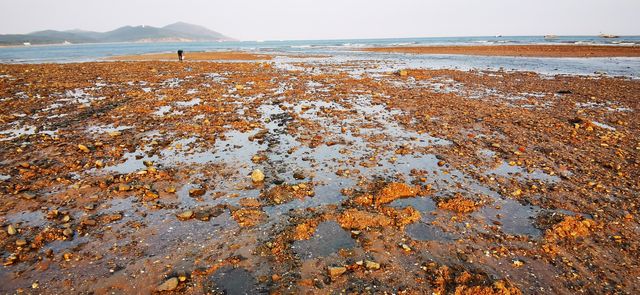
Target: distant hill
[{"x": 178, "y": 32}]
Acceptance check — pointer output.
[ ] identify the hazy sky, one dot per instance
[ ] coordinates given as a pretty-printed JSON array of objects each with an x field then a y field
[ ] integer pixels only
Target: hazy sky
[{"x": 332, "y": 19}]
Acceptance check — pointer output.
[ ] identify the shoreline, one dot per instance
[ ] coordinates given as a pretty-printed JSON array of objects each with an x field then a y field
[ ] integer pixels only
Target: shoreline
[
  {"x": 567, "y": 50},
  {"x": 192, "y": 56}
]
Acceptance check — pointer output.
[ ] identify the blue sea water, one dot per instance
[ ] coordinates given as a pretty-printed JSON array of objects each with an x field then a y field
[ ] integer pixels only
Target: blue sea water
[{"x": 348, "y": 50}]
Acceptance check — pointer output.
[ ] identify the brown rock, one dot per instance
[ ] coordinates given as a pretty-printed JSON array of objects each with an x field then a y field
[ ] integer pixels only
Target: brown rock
[
  {"x": 169, "y": 285},
  {"x": 21, "y": 242},
  {"x": 83, "y": 148},
  {"x": 186, "y": 215},
  {"x": 11, "y": 230},
  {"x": 335, "y": 271},
  {"x": 393, "y": 191},
  {"x": 124, "y": 187},
  {"x": 197, "y": 192},
  {"x": 371, "y": 265},
  {"x": 257, "y": 176}
]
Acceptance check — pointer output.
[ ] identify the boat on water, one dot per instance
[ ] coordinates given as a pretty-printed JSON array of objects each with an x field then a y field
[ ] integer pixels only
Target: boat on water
[
  {"x": 608, "y": 36},
  {"x": 551, "y": 37},
  {"x": 26, "y": 44}
]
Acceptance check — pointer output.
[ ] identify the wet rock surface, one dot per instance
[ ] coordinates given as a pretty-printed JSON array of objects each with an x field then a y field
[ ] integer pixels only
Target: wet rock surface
[{"x": 128, "y": 177}]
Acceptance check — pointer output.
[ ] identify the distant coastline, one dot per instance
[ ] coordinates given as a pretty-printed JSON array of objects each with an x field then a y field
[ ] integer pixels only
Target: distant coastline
[
  {"x": 177, "y": 32},
  {"x": 113, "y": 43}
]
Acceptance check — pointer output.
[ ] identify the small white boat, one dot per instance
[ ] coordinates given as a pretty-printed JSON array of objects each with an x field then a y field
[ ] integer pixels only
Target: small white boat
[{"x": 26, "y": 44}]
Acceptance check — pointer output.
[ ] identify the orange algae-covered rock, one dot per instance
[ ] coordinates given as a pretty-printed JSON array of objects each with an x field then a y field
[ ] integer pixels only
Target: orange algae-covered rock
[
  {"x": 304, "y": 231},
  {"x": 248, "y": 217},
  {"x": 393, "y": 191},
  {"x": 498, "y": 288},
  {"x": 403, "y": 216},
  {"x": 356, "y": 219},
  {"x": 458, "y": 204},
  {"x": 570, "y": 228},
  {"x": 285, "y": 193}
]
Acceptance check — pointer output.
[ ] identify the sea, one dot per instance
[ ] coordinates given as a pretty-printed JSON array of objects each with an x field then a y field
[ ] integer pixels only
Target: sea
[{"x": 349, "y": 50}]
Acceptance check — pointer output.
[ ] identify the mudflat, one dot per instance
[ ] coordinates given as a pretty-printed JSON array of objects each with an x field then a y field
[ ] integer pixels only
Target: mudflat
[
  {"x": 520, "y": 50},
  {"x": 205, "y": 177}
]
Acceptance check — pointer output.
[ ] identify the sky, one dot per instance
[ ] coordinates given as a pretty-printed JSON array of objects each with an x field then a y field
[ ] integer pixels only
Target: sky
[{"x": 332, "y": 19}]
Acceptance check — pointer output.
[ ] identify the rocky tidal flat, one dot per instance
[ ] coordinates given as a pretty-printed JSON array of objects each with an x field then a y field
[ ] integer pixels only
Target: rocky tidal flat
[{"x": 316, "y": 177}]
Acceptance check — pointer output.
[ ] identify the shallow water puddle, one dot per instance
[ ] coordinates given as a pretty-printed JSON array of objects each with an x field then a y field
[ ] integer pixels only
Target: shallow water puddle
[
  {"x": 328, "y": 238},
  {"x": 604, "y": 126},
  {"x": 163, "y": 110},
  {"x": 234, "y": 147},
  {"x": 107, "y": 129},
  {"x": 231, "y": 280},
  {"x": 14, "y": 133},
  {"x": 27, "y": 218},
  {"x": 190, "y": 103},
  {"x": 513, "y": 171},
  {"x": 421, "y": 231}
]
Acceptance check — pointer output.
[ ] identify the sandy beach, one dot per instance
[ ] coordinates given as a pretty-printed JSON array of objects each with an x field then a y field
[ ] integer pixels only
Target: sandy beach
[
  {"x": 520, "y": 50},
  {"x": 204, "y": 177}
]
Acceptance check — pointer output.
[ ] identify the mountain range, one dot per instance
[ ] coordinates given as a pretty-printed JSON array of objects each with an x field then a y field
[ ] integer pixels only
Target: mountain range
[{"x": 178, "y": 32}]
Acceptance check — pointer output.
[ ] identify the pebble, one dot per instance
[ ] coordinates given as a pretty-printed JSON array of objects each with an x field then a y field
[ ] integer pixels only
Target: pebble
[
  {"x": 185, "y": 215},
  {"x": 372, "y": 265},
  {"x": 182, "y": 276},
  {"x": 28, "y": 196},
  {"x": 335, "y": 271},
  {"x": 169, "y": 285},
  {"x": 89, "y": 222},
  {"x": 257, "y": 176},
  {"x": 11, "y": 230},
  {"x": 518, "y": 263},
  {"x": 21, "y": 242},
  {"x": 83, "y": 148},
  {"x": 298, "y": 175},
  {"x": 151, "y": 195},
  {"x": 68, "y": 232},
  {"x": 196, "y": 192},
  {"x": 124, "y": 187}
]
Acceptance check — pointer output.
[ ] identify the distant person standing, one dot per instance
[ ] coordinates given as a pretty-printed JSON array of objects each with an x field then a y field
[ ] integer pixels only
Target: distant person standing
[{"x": 180, "y": 55}]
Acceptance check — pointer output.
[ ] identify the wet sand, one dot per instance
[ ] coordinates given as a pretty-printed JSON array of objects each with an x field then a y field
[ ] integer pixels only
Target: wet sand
[
  {"x": 195, "y": 56},
  {"x": 520, "y": 50},
  {"x": 205, "y": 177}
]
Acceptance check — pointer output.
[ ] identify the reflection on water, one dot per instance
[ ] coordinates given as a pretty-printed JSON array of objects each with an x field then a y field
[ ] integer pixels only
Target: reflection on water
[{"x": 328, "y": 238}]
